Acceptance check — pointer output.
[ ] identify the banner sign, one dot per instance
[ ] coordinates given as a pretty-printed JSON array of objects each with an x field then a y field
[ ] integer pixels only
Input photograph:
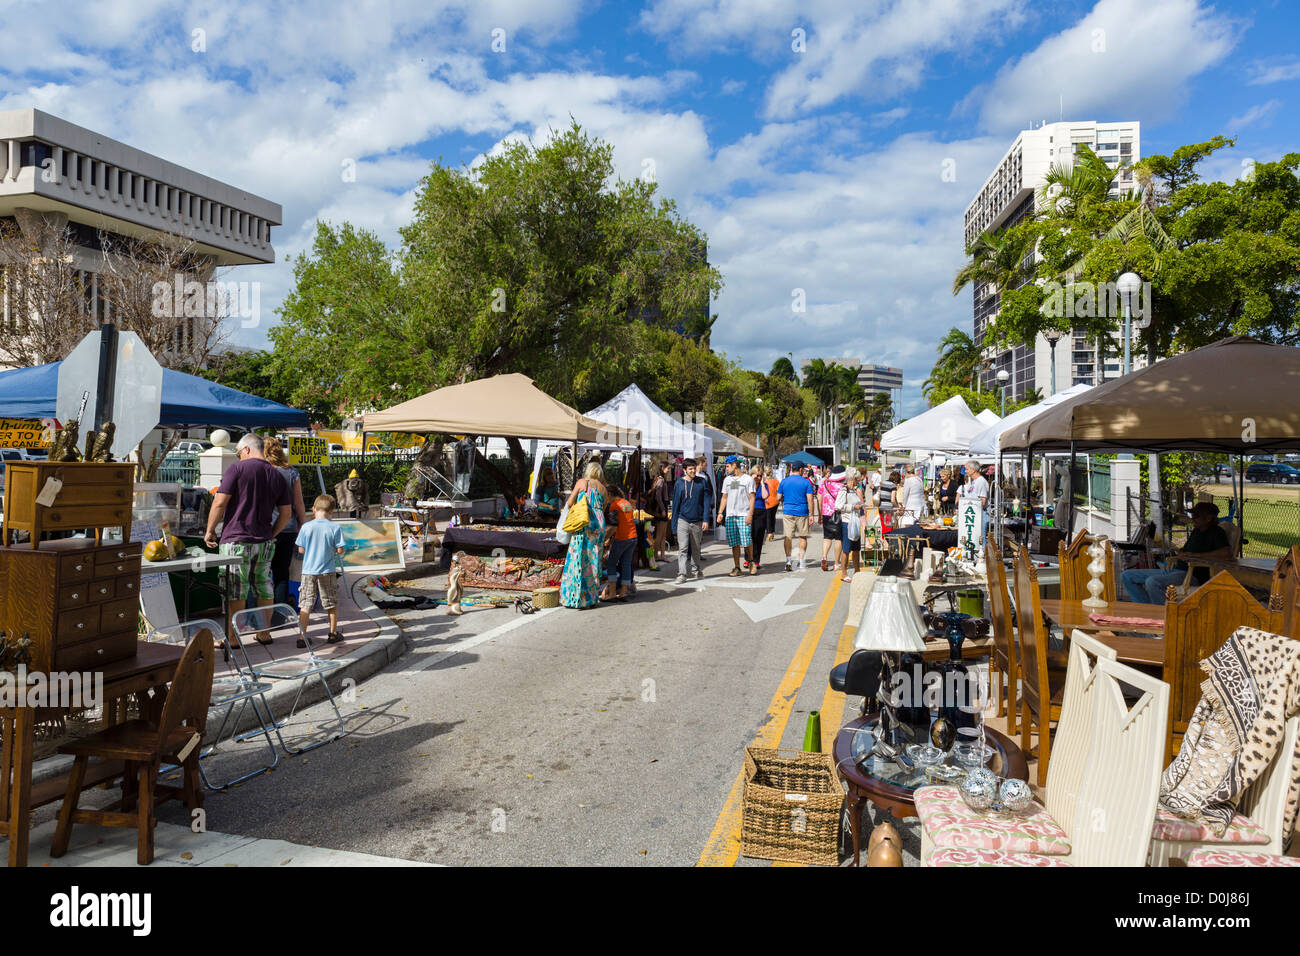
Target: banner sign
[
  {"x": 970, "y": 521},
  {"x": 24, "y": 433}
]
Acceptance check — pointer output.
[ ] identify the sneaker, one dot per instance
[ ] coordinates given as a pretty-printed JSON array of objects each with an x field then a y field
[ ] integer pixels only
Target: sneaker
[
  {"x": 699, "y": 575},
  {"x": 734, "y": 573},
  {"x": 753, "y": 569},
  {"x": 680, "y": 579},
  {"x": 787, "y": 565}
]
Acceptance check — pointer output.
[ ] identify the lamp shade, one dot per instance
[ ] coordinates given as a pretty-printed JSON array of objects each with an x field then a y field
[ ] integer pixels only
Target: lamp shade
[{"x": 891, "y": 620}]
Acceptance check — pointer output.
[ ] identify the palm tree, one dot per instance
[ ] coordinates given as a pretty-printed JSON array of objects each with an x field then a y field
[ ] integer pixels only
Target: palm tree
[
  {"x": 959, "y": 362},
  {"x": 995, "y": 258},
  {"x": 1071, "y": 189},
  {"x": 823, "y": 381},
  {"x": 783, "y": 368}
]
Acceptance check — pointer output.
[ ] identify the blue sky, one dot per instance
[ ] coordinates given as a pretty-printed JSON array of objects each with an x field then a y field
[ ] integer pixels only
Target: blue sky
[{"x": 818, "y": 168}]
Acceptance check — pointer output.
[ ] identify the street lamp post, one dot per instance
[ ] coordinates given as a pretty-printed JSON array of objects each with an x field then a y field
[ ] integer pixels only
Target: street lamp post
[
  {"x": 1002, "y": 386},
  {"x": 1128, "y": 285},
  {"x": 1053, "y": 336}
]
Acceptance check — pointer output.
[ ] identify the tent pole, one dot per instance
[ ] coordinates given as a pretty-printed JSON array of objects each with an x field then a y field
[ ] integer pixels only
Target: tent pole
[{"x": 1069, "y": 530}]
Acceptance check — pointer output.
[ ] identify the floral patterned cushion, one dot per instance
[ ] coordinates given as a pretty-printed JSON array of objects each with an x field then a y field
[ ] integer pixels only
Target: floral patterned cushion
[
  {"x": 959, "y": 856},
  {"x": 1242, "y": 830},
  {"x": 1212, "y": 856},
  {"x": 949, "y": 822}
]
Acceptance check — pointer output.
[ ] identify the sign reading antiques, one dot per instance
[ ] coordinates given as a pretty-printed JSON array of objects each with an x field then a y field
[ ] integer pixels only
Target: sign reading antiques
[
  {"x": 970, "y": 521},
  {"x": 23, "y": 433},
  {"x": 308, "y": 451}
]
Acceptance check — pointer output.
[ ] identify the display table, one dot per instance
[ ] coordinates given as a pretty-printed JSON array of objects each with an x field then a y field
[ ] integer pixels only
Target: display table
[
  {"x": 513, "y": 539},
  {"x": 891, "y": 787},
  {"x": 152, "y": 666},
  {"x": 191, "y": 568}
]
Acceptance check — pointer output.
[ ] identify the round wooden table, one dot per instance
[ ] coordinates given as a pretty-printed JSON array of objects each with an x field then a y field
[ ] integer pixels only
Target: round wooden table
[{"x": 887, "y": 785}]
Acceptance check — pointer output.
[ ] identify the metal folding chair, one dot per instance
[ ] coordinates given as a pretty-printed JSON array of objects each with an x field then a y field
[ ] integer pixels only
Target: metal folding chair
[
  {"x": 282, "y": 620},
  {"x": 234, "y": 690}
]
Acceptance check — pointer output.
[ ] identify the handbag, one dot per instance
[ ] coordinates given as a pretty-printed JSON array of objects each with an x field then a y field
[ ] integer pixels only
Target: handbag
[
  {"x": 832, "y": 524},
  {"x": 578, "y": 516}
]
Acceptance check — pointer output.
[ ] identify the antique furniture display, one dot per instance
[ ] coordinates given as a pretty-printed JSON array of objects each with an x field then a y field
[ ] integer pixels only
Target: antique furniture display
[
  {"x": 1043, "y": 677},
  {"x": 142, "y": 745},
  {"x": 89, "y": 495},
  {"x": 76, "y": 601}
]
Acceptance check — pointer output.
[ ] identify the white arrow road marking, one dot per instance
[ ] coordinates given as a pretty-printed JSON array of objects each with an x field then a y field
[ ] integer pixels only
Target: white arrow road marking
[{"x": 772, "y": 604}]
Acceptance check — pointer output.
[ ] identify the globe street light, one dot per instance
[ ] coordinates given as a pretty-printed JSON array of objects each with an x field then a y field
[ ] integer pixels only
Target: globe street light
[
  {"x": 1002, "y": 384},
  {"x": 1127, "y": 286},
  {"x": 1053, "y": 336}
]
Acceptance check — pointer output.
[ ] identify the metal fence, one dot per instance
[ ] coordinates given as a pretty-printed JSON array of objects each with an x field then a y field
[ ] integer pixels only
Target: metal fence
[
  {"x": 1269, "y": 525},
  {"x": 1095, "y": 495},
  {"x": 182, "y": 468}
]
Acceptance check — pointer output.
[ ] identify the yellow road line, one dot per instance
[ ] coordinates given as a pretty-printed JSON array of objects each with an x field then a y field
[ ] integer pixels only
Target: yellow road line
[
  {"x": 833, "y": 701},
  {"x": 723, "y": 846}
]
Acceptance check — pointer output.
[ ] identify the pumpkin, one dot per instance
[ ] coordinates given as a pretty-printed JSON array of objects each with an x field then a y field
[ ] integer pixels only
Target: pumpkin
[{"x": 155, "y": 551}]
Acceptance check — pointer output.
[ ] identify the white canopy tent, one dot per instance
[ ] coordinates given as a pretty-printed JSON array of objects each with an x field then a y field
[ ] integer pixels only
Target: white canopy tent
[
  {"x": 946, "y": 428},
  {"x": 989, "y": 441},
  {"x": 989, "y": 417},
  {"x": 659, "y": 431}
]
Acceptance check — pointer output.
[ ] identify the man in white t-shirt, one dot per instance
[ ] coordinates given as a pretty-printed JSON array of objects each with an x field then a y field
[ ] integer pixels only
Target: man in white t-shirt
[{"x": 737, "y": 505}]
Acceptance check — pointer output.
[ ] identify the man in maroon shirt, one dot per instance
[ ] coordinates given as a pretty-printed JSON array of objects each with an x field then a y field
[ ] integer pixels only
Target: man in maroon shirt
[{"x": 254, "y": 501}]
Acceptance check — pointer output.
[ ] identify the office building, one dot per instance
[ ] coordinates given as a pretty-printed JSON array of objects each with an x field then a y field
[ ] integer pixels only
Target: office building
[
  {"x": 1009, "y": 195},
  {"x": 97, "y": 191}
]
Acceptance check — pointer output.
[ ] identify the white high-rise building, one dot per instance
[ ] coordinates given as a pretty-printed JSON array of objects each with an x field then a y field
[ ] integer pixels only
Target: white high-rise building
[{"x": 1009, "y": 195}]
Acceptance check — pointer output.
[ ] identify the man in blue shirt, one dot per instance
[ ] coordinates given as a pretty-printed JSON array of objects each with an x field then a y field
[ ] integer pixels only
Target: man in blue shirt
[
  {"x": 796, "y": 494},
  {"x": 692, "y": 506}
]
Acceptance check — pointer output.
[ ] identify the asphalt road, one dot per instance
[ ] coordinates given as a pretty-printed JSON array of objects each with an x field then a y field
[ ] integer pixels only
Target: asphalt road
[{"x": 608, "y": 736}]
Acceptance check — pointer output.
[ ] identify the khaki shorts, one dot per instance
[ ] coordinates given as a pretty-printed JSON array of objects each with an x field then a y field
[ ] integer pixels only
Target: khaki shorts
[
  {"x": 795, "y": 526},
  {"x": 318, "y": 585}
]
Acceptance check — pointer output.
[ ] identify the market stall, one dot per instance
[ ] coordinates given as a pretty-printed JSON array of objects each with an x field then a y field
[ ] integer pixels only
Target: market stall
[{"x": 501, "y": 406}]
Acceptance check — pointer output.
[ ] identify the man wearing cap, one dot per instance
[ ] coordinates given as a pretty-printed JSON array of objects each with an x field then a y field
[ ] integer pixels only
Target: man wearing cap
[
  {"x": 737, "y": 506},
  {"x": 692, "y": 507},
  {"x": 796, "y": 495}
]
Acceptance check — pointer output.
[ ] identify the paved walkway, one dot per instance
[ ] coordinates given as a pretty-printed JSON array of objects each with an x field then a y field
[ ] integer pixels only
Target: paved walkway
[{"x": 178, "y": 846}]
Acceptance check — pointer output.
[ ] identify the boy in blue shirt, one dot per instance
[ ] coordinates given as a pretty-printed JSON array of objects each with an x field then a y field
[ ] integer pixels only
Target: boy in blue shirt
[{"x": 319, "y": 541}]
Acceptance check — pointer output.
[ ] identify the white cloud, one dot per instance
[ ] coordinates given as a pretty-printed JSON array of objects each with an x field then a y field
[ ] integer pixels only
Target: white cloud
[
  {"x": 1109, "y": 65},
  {"x": 1261, "y": 112},
  {"x": 1276, "y": 72},
  {"x": 847, "y": 51}
]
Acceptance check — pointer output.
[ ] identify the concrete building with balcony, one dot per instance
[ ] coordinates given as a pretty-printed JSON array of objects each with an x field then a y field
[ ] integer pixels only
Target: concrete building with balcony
[{"x": 1009, "y": 195}]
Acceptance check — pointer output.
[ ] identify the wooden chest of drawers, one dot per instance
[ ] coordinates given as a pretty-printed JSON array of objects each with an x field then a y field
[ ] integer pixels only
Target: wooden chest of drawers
[
  {"x": 94, "y": 495},
  {"x": 77, "y": 601}
]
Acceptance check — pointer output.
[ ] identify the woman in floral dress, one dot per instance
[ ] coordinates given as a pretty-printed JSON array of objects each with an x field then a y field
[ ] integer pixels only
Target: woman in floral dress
[{"x": 583, "y": 565}]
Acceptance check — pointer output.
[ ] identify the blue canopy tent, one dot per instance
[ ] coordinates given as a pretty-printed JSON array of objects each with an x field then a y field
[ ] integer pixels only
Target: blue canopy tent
[
  {"x": 803, "y": 458},
  {"x": 187, "y": 400}
]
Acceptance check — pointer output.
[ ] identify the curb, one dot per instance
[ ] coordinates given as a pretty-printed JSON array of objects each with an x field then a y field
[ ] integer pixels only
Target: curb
[{"x": 376, "y": 654}]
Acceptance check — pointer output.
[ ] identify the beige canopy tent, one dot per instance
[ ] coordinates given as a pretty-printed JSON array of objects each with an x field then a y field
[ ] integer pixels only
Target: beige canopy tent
[
  {"x": 725, "y": 443},
  {"x": 504, "y": 406},
  {"x": 1238, "y": 395}
]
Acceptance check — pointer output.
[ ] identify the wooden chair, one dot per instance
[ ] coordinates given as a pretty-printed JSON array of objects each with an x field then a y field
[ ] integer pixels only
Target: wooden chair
[
  {"x": 1042, "y": 680},
  {"x": 1286, "y": 590},
  {"x": 1196, "y": 627},
  {"x": 1234, "y": 543},
  {"x": 1004, "y": 659},
  {"x": 143, "y": 747},
  {"x": 1074, "y": 569}
]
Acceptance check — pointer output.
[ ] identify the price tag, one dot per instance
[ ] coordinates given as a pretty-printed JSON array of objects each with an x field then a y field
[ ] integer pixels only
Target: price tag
[{"x": 51, "y": 491}]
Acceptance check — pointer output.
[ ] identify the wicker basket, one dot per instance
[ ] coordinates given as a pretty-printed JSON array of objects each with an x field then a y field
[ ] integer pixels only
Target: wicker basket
[
  {"x": 546, "y": 597},
  {"x": 792, "y": 807}
]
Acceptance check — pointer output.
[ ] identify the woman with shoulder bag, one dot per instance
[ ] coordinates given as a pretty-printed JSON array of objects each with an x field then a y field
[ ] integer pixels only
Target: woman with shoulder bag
[
  {"x": 848, "y": 503},
  {"x": 660, "y": 498},
  {"x": 583, "y": 564}
]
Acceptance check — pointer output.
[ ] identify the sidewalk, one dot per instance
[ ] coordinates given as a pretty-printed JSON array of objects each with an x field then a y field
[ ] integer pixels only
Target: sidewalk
[
  {"x": 371, "y": 641},
  {"x": 178, "y": 846}
]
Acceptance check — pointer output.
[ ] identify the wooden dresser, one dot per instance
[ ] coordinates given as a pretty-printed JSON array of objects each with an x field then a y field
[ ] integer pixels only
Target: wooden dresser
[
  {"x": 76, "y": 600},
  {"x": 94, "y": 495}
]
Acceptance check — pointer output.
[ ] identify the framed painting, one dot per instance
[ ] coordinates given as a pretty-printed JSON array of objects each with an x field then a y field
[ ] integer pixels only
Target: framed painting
[{"x": 371, "y": 544}]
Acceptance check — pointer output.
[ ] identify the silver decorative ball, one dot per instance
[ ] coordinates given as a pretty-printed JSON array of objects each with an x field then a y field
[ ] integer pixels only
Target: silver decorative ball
[
  {"x": 1016, "y": 795},
  {"x": 987, "y": 775},
  {"x": 978, "y": 791}
]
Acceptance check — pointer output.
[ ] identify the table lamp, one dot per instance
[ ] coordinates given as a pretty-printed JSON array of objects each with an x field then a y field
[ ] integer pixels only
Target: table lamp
[{"x": 891, "y": 624}]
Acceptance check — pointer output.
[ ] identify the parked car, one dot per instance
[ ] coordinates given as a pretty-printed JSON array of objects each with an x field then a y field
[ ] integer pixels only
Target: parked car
[
  {"x": 189, "y": 447},
  {"x": 1273, "y": 474}
]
